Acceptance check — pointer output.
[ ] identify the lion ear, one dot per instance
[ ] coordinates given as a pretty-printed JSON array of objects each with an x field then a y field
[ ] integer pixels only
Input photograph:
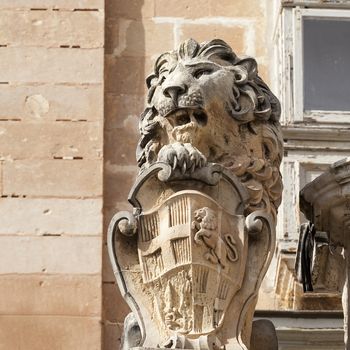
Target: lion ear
[
  {"x": 188, "y": 49},
  {"x": 250, "y": 65},
  {"x": 150, "y": 79}
]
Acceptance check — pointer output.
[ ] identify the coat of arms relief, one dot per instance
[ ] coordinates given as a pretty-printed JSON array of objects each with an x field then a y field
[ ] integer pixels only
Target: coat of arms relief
[{"x": 190, "y": 258}]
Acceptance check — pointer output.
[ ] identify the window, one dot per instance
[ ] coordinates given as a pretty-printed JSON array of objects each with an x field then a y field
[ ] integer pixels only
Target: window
[{"x": 321, "y": 91}]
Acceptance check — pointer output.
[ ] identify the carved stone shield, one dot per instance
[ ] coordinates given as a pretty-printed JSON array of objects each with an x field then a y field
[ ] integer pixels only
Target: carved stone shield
[
  {"x": 192, "y": 254},
  {"x": 182, "y": 260}
]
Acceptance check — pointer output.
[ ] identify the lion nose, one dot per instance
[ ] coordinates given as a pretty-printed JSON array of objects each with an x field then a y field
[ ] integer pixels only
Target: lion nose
[{"x": 174, "y": 91}]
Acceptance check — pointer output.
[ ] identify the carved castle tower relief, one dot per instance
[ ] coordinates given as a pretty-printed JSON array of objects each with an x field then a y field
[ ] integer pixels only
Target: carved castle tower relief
[{"x": 190, "y": 258}]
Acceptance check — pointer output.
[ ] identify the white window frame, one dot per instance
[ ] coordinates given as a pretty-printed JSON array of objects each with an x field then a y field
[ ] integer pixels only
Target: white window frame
[{"x": 300, "y": 115}]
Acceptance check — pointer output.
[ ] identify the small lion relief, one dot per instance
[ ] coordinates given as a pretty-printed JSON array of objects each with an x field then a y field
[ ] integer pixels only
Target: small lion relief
[{"x": 220, "y": 250}]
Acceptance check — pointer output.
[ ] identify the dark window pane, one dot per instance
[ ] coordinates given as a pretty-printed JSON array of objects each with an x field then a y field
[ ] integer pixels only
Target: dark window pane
[{"x": 326, "y": 44}]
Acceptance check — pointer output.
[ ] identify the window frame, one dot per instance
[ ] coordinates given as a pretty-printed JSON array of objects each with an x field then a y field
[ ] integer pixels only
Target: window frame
[{"x": 300, "y": 115}]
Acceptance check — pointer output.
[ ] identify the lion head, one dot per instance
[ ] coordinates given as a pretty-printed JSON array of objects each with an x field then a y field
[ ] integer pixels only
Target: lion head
[
  {"x": 204, "y": 96},
  {"x": 206, "y": 216}
]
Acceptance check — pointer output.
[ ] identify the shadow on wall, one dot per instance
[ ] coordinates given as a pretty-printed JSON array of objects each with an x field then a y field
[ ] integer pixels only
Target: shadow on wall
[{"x": 124, "y": 102}]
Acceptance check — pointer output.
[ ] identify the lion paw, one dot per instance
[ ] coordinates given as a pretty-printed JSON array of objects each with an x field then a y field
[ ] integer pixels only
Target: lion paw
[
  {"x": 211, "y": 257},
  {"x": 182, "y": 156},
  {"x": 197, "y": 238}
]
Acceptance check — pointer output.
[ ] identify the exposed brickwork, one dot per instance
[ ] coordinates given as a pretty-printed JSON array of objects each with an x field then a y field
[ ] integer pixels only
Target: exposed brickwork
[{"x": 51, "y": 144}]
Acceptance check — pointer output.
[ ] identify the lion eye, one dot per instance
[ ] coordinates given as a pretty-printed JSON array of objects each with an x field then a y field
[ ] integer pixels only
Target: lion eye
[
  {"x": 197, "y": 74},
  {"x": 161, "y": 80}
]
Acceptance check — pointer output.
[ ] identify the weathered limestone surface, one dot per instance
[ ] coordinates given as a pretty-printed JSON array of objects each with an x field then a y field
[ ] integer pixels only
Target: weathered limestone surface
[
  {"x": 36, "y": 332},
  {"x": 82, "y": 255},
  {"x": 79, "y": 66},
  {"x": 61, "y": 103},
  {"x": 224, "y": 8},
  {"x": 60, "y": 29},
  {"x": 40, "y": 140},
  {"x": 38, "y": 216},
  {"x": 190, "y": 258},
  {"x": 66, "y": 178},
  {"x": 54, "y": 4},
  {"x": 69, "y": 295},
  {"x": 51, "y": 142}
]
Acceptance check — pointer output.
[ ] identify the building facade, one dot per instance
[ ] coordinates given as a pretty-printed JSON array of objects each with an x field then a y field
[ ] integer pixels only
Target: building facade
[{"x": 72, "y": 89}]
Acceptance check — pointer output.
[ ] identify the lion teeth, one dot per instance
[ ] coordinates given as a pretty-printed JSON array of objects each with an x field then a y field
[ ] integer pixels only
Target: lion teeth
[
  {"x": 175, "y": 162},
  {"x": 193, "y": 167},
  {"x": 184, "y": 168}
]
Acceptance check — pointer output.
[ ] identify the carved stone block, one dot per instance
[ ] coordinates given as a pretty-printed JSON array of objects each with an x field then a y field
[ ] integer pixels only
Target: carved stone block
[{"x": 190, "y": 258}]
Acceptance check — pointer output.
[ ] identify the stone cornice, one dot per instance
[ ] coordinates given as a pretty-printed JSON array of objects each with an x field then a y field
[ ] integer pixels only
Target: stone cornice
[
  {"x": 316, "y": 133},
  {"x": 317, "y": 3}
]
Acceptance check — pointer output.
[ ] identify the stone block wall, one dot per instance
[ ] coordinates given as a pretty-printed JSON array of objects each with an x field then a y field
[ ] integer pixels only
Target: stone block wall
[
  {"x": 137, "y": 31},
  {"x": 72, "y": 87},
  {"x": 51, "y": 182}
]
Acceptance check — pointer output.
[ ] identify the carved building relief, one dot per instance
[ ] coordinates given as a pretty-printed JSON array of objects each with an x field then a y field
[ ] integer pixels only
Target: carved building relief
[{"x": 190, "y": 258}]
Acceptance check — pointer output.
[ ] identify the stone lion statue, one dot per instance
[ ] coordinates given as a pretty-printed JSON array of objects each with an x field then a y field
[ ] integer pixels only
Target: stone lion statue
[{"x": 205, "y": 104}]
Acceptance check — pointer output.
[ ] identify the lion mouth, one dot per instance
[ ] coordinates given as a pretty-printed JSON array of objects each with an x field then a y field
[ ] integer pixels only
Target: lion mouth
[
  {"x": 185, "y": 116},
  {"x": 197, "y": 216}
]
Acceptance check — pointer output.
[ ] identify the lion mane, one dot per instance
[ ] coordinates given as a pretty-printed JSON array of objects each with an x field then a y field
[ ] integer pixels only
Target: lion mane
[
  {"x": 206, "y": 218},
  {"x": 252, "y": 106}
]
